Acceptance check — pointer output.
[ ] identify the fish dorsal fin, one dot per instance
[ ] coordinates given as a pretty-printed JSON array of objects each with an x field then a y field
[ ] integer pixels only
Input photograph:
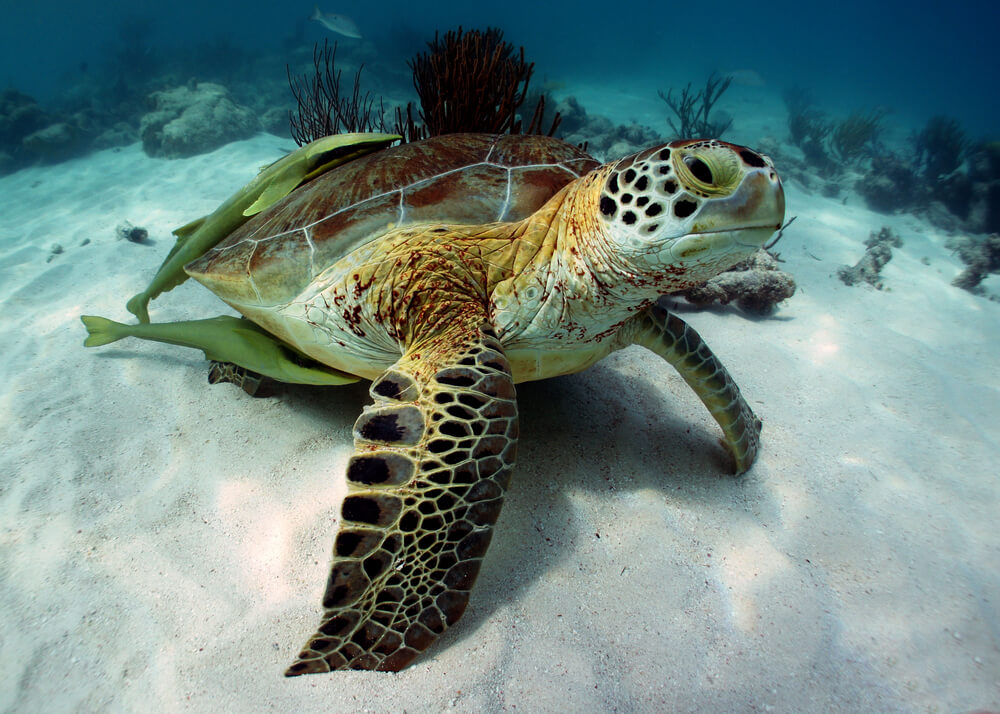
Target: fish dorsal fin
[
  {"x": 183, "y": 233},
  {"x": 189, "y": 228},
  {"x": 274, "y": 192},
  {"x": 312, "y": 160}
]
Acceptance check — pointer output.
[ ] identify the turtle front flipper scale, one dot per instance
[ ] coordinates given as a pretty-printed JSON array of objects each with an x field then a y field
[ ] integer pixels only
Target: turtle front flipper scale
[{"x": 432, "y": 460}]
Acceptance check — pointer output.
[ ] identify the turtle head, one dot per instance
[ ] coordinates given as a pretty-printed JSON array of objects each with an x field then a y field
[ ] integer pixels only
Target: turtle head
[{"x": 683, "y": 212}]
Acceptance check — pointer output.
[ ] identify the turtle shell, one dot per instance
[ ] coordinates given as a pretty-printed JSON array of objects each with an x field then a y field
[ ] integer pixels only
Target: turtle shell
[{"x": 456, "y": 178}]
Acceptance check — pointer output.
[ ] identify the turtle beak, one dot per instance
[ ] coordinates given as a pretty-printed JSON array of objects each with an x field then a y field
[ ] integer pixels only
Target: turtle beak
[
  {"x": 758, "y": 203},
  {"x": 737, "y": 224}
]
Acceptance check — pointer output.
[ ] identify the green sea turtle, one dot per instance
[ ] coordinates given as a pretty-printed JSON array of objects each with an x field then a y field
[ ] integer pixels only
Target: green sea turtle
[{"x": 446, "y": 271}]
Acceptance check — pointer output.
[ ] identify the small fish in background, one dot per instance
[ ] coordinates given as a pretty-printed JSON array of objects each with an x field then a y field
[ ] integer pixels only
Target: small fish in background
[{"x": 341, "y": 24}]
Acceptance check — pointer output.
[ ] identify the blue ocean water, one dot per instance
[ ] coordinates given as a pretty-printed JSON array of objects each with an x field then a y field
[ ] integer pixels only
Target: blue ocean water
[
  {"x": 157, "y": 535},
  {"x": 913, "y": 59}
]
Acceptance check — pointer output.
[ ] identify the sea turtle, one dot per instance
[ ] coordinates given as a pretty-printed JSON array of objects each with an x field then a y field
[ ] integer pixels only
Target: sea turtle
[{"x": 446, "y": 271}]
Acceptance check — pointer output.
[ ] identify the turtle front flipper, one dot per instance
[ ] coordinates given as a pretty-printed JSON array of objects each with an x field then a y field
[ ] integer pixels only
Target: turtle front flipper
[
  {"x": 432, "y": 459},
  {"x": 677, "y": 342}
]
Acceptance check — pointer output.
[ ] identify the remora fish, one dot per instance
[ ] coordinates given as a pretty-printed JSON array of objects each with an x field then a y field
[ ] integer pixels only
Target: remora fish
[{"x": 341, "y": 24}]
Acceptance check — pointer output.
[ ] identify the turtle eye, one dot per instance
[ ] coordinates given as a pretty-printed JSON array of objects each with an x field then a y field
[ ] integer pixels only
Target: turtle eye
[
  {"x": 709, "y": 169},
  {"x": 699, "y": 169}
]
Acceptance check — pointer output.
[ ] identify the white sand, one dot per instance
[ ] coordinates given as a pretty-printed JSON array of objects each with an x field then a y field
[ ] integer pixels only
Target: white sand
[{"x": 164, "y": 543}]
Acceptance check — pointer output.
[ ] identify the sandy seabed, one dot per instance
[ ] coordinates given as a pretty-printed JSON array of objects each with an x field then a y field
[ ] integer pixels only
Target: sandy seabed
[{"x": 164, "y": 544}]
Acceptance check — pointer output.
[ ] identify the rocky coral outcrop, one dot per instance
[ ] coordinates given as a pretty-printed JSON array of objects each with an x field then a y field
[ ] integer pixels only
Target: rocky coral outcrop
[
  {"x": 984, "y": 192},
  {"x": 981, "y": 256},
  {"x": 194, "y": 119},
  {"x": 756, "y": 285},
  {"x": 30, "y": 134},
  {"x": 56, "y": 142},
  {"x": 870, "y": 266},
  {"x": 892, "y": 184},
  {"x": 20, "y": 115}
]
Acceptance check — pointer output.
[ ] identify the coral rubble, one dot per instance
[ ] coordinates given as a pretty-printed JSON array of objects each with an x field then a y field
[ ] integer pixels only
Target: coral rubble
[
  {"x": 133, "y": 234},
  {"x": 879, "y": 253}
]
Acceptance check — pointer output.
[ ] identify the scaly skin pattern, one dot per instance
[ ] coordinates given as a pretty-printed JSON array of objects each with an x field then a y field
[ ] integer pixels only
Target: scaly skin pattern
[{"x": 446, "y": 318}]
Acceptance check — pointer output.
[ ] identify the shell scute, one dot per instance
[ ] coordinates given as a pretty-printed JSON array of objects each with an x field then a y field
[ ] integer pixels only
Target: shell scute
[
  {"x": 280, "y": 260},
  {"x": 472, "y": 194},
  {"x": 531, "y": 187}
]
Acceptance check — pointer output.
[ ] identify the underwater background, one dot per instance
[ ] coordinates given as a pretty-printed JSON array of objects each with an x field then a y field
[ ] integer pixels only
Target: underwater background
[
  {"x": 914, "y": 59},
  {"x": 164, "y": 543}
]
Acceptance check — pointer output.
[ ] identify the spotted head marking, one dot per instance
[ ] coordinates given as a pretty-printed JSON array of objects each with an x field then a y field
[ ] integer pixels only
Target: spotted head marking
[{"x": 693, "y": 206}]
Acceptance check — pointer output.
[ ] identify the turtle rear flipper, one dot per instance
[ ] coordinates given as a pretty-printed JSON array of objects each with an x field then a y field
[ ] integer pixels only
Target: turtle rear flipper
[
  {"x": 247, "y": 380},
  {"x": 432, "y": 460}
]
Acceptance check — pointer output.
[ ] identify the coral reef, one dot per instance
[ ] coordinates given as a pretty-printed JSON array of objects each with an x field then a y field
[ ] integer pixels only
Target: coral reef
[
  {"x": 929, "y": 174},
  {"x": 56, "y": 142},
  {"x": 30, "y": 134},
  {"x": 981, "y": 256},
  {"x": 940, "y": 147},
  {"x": 693, "y": 110},
  {"x": 194, "y": 119},
  {"x": 984, "y": 189},
  {"x": 20, "y": 115},
  {"x": 21, "y": 119},
  {"x": 603, "y": 139},
  {"x": 831, "y": 146},
  {"x": 878, "y": 254},
  {"x": 756, "y": 285},
  {"x": 943, "y": 177},
  {"x": 953, "y": 184},
  {"x": 322, "y": 110},
  {"x": 118, "y": 134},
  {"x": 892, "y": 184}
]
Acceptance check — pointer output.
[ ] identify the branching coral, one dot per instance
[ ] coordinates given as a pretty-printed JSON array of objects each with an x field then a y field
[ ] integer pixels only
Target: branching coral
[
  {"x": 693, "y": 110},
  {"x": 940, "y": 147},
  {"x": 470, "y": 82},
  {"x": 856, "y": 134},
  {"x": 807, "y": 126},
  {"x": 806, "y": 123},
  {"x": 322, "y": 109},
  {"x": 822, "y": 141}
]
